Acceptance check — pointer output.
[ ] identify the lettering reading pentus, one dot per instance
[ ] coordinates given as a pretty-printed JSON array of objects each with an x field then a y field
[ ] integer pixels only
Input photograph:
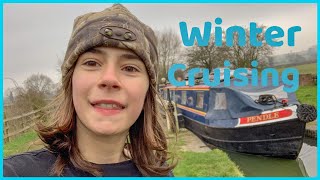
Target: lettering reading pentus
[{"x": 271, "y": 35}]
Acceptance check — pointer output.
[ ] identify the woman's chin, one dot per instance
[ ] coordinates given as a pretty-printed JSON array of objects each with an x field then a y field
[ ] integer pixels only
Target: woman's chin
[{"x": 107, "y": 130}]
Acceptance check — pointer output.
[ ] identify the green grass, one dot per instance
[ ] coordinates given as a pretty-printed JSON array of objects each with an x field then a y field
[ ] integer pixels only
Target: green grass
[
  {"x": 214, "y": 163},
  {"x": 303, "y": 69},
  {"x": 307, "y": 95},
  {"x": 21, "y": 144},
  {"x": 200, "y": 164},
  {"x": 175, "y": 142}
]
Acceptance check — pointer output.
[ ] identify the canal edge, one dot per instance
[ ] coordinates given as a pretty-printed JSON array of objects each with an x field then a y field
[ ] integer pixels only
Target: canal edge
[{"x": 311, "y": 131}]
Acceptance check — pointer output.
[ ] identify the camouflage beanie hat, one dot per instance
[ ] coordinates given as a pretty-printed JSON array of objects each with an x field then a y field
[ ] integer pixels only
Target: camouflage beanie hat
[{"x": 112, "y": 27}]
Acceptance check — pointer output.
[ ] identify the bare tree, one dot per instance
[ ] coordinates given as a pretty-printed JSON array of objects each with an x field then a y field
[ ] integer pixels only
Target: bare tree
[
  {"x": 37, "y": 89},
  {"x": 169, "y": 48},
  {"x": 209, "y": 57},
  {"x": 39, "y": 83},
  {"x": 241, "y": 56}
]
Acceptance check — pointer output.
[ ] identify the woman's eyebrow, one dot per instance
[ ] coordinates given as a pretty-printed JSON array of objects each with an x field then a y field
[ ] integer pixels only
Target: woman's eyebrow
[
  {"x": 130, "y": 56},
  {"x": 124, "y": 55},
  {"x": 96, "y": 51}
]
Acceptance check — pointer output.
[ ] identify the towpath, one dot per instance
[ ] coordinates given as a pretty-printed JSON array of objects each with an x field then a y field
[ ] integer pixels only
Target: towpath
[{"x": 192, "y": 142}]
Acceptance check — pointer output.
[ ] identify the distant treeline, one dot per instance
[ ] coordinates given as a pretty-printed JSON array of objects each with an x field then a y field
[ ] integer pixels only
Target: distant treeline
[
  {"x": 294, "y": 64},
  {"x": 293, "y": 59}
]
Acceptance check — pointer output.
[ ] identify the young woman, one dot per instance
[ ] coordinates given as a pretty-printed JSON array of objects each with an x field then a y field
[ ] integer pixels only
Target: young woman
[{"x": 105, "y": 119}]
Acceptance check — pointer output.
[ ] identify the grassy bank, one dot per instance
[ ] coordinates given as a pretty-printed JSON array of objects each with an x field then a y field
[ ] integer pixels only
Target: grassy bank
[
  {"x": 22, "y": 143},
  {"x": 307, "y": 95},
  {"x": 214, "y": 163},
  {"x": 201, "y": 164},
  {"x": 304, "y": 69}
]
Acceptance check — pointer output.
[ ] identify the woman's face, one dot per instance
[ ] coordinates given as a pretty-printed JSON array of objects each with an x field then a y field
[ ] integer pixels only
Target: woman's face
[{"x": 109, "y": 86}]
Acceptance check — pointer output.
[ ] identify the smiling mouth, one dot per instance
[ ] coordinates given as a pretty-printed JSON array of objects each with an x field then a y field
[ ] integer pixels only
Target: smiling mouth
[
  {"x": 108, "y": 106},
  {"x": 108, "y": 109}
]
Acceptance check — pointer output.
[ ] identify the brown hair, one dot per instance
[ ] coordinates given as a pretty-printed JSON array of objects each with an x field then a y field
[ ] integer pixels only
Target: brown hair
[{"x": 147, "y": 142}]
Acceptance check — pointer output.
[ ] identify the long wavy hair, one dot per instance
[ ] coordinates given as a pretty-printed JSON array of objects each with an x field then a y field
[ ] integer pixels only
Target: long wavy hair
[{"x": 146, "y": 143}]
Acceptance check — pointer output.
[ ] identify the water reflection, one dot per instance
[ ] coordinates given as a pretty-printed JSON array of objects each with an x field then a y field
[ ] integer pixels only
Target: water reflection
[
  {"x": 260, "y": 166},
  {"x": 252, "y": 165}
]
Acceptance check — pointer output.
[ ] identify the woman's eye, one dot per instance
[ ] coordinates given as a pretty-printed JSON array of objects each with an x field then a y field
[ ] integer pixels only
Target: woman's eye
[
  {"x": 130, "y": 69},
  {"x": 91, "y": 63}
]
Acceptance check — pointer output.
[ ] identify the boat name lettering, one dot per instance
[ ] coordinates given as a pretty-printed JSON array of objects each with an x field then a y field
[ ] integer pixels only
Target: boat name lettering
[
  {"x": 266, "y": 117},
  {"x": 263, "y": 117}
]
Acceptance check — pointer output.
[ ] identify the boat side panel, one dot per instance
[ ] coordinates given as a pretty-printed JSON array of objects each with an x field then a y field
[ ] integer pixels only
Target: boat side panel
[
  {"x": 190, "y": 109},
  {"x": 282, "y": 139}
]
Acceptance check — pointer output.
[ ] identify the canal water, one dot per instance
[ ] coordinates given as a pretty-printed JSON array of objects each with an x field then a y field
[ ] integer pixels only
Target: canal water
[{"x": 304, "y": 165}]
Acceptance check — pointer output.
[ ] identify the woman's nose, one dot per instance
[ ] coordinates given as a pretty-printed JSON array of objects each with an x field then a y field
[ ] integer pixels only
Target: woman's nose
[{"x": 109, "y": 78}]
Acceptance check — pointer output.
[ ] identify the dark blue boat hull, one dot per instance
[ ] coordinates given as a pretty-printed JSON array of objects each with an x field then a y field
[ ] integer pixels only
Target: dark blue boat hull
[{"x": 278, "y": 139}]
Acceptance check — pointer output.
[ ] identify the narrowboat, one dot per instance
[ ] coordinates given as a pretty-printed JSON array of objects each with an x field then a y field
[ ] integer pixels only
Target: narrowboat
[{"x": 253, "y": 119}]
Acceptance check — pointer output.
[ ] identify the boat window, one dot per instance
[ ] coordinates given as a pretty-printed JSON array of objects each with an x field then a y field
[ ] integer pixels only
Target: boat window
[
  {"x": 190, "y": 101},
  {"x": 177, "y": 96},
  {"x": 183, "y": 97},
  {"x": 200, "y": 96},
  {"x": 220, "y": 101}
]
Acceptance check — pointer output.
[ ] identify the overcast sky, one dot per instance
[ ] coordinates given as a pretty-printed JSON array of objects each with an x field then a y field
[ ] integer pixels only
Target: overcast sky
[{"x": 36, "y": 35}]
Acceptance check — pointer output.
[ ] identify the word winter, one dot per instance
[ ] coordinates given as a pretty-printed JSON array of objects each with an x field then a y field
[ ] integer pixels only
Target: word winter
[{"x": 271, "y": 35}]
